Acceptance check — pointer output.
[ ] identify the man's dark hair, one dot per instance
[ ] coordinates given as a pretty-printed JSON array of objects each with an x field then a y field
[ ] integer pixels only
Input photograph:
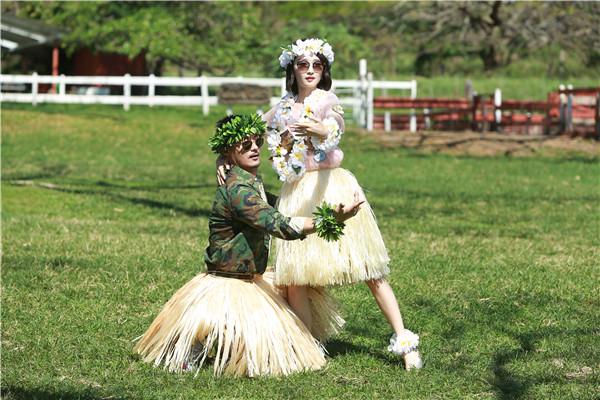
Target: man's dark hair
[{"x": 225, "y": 120}]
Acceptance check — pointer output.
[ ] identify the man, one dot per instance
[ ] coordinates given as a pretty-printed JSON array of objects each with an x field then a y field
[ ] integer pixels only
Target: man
[{"x": 230, "y": 313}]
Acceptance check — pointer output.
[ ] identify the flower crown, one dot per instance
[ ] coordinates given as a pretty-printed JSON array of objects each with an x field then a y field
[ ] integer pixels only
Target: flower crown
[
  {"x": 235, "y": 130},
  {"x": 306, "y": 47}
]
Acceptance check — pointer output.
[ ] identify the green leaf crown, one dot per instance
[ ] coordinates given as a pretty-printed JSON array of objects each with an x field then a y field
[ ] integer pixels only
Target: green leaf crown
[{"x": 236, "y": 130}]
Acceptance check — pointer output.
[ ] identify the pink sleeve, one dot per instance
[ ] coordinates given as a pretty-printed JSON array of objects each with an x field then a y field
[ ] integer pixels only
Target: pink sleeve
[
  {"x": 333, "y": 160},
  {"x": 330, "y": 109}
]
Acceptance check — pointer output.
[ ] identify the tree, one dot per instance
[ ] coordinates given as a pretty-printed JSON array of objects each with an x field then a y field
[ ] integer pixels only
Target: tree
[
  {"x": 206, "y": 37},
  {"x": 499, "y": 32}
]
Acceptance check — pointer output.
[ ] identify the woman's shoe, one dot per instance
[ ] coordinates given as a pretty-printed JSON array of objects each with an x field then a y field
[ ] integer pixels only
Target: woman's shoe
[{"x": 413, "y": 360}]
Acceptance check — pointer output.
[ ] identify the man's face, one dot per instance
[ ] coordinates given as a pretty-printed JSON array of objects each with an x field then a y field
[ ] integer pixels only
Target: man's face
[{"x": 246, "y": 154}]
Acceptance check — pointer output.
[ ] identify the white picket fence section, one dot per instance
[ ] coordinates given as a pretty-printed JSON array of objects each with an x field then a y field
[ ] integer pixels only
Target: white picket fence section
[{"x": 357, "y": 94}]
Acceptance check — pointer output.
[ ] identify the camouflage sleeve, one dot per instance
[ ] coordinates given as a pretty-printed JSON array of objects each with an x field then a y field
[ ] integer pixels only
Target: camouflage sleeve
[
  {"x": 272, "y": 199},
  {"x": 250, "y": 208}
]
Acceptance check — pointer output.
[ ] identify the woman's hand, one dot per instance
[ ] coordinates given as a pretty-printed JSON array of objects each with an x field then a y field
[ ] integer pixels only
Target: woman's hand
[
  {"x": 223, "y": 168},
  {"x": 312, "y": 128},
  {"x": 343, "y": 212}
]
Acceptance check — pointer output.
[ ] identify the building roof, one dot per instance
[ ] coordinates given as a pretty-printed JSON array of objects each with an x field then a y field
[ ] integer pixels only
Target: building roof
[{"x": 21, "y": 33}]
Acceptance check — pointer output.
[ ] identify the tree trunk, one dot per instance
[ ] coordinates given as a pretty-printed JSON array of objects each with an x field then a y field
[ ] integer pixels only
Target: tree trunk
[
  {"x": 157, "y": 68},
  {"x": 488, "y": 56}
]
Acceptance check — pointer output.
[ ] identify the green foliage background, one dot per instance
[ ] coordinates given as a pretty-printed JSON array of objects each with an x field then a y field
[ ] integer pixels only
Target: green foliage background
[{"x": 399, "y": 39}]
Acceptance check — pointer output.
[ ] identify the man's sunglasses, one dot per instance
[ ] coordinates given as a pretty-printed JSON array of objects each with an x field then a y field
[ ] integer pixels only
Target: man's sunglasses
[
  {"x": 247, "y": 144},
  {"x": 303, "y": 66}
]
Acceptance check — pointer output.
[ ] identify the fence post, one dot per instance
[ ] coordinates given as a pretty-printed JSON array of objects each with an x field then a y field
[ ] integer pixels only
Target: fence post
[
  {"x": 474, "y": 107},
  {"x": 62, "y": 86},
  {"x": 204, "y": 91},
  {"x": 427, "y": 118},
  {"x": 413, "y": 117},
  {"x": 362, "y": 73},
  {"x": 34, "y": 88},
  {"x": 547, "y": 121},
  {"x": 497, "y": 109},
  {"x": 151, "y": 89},
  {"x": 387, "y": 121},
  {"x": 570, "y": 109},
  {"x": 598, "y": 115},
  {"x": 484, "y": 123},
  {"x": 356, "y": 106},
  {"x": 126, "y": 92},
  {"x": 561, "y": 108},
  {"x": 370, "y": 115},
  {"x": 283, "y": 87}
]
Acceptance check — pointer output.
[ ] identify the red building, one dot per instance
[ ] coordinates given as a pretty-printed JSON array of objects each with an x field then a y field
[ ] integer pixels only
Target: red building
[{"x": 31, "y": 46}]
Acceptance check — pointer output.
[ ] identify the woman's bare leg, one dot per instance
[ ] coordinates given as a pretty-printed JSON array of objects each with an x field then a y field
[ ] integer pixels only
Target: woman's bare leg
[
  {"x": 298, "y": 300},
  {"x": 386, "y": 300},
  {"x": 384, "y": 295}
]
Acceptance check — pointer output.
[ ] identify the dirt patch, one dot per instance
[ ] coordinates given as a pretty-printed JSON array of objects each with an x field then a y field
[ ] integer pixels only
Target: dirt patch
[{"x": 487, "y": 144}]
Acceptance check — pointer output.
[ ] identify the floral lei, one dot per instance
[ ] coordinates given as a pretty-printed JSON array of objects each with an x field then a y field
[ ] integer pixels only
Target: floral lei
[{"x": 289, "y": 154}]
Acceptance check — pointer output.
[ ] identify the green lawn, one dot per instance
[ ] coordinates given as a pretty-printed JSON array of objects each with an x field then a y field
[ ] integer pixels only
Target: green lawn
[
  {"x": 104, "y": 215},
  {"x": 531, "y": 88}
]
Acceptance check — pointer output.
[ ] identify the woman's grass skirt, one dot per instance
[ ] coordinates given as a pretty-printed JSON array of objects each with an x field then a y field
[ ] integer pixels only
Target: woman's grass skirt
[
  {"x": 359, "y": 255},
  {"x": 245, "y": 327}
]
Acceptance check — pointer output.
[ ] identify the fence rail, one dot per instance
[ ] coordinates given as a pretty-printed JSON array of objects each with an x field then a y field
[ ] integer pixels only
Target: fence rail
[
  {"x": 571, "y": 111},
  {"x": 357, "y": 94}
]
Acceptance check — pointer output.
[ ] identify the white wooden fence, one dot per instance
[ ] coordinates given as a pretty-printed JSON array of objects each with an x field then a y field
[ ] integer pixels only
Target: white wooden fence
[{"x": 357, "y": 94}]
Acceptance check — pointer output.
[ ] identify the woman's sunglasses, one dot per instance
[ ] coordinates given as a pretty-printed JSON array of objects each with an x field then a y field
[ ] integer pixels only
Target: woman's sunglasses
[
  {"x": 303, "y": 66},
  {"x": 247, "y": 144}
]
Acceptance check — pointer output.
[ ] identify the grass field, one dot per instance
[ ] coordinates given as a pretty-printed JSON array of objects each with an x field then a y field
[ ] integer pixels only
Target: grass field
[{"x": 104, "y": 215}]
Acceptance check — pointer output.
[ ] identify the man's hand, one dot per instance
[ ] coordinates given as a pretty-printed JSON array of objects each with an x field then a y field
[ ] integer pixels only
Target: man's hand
[
  {"x": 223, "y": 167},
  {"x": 343, "y": 212}
]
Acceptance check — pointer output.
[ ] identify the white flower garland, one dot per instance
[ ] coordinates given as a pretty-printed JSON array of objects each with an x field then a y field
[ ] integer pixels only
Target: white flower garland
[
  {"x": 306, "y": 48},
  {"x": 291, "y": 167}
]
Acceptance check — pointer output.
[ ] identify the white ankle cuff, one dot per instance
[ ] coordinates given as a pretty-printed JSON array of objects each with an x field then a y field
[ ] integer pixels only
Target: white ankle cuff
[{"x": 403, "y": 343}]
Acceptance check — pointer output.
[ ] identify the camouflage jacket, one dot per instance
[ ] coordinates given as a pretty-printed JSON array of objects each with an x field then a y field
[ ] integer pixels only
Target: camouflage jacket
[{"x": 240, "y": 224}]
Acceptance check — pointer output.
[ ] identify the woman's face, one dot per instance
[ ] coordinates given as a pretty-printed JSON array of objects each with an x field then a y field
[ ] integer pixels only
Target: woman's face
[{"x": 308, "y": 71}]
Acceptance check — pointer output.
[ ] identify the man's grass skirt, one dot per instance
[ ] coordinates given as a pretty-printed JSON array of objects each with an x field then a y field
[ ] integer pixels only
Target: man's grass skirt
[{"x": 245, "y": 328}]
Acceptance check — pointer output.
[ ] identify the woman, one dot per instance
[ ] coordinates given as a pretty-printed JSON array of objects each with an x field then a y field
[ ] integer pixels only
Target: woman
[{"x": 304, "y": 131}]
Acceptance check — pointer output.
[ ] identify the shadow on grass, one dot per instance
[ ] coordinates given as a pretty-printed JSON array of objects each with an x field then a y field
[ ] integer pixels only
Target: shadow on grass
[
  {"x": 14, "y": 393},
  {"x": 190, "y": 212},
  {"x": 570, "y": 155},
  {"x": 47, "y": 171},
  {"x": 416, "y": 196},
  {"x": 336, "y": 348},
  {"x": 510, "y": 386},
  {"x": 156, "y": 187},
  {"x": 339, "y": 348}
]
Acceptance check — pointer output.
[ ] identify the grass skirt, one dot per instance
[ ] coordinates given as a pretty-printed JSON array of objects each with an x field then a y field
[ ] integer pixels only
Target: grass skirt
[
  {"x": 359, "y": 255},
  {"x": 246, "y": 327}
]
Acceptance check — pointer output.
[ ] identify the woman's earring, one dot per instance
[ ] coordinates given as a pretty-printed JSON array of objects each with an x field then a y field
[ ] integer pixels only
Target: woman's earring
[{"x": 293, "y": 79}]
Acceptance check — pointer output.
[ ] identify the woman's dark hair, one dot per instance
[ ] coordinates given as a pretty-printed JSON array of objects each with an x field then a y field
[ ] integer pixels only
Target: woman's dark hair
[{"x": 325, "y": 82}]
